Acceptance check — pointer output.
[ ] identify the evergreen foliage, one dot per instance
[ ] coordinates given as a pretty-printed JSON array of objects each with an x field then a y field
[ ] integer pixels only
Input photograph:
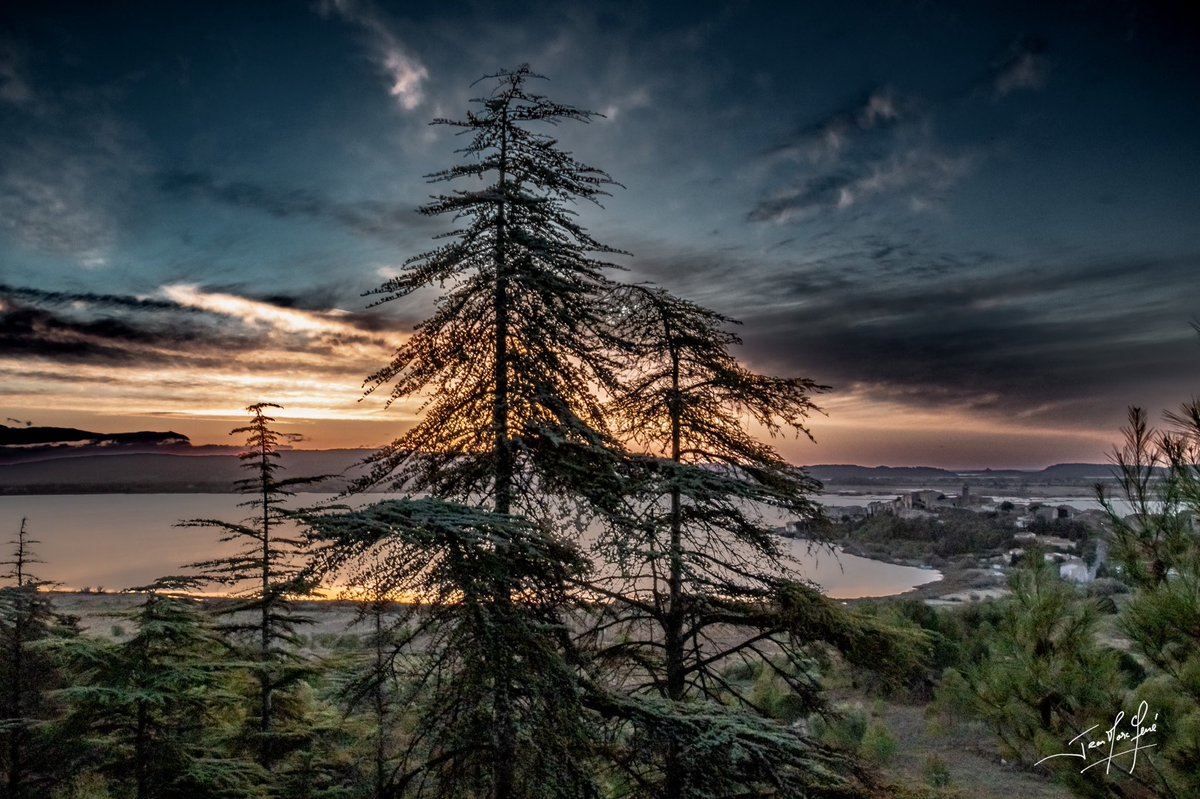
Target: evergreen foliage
[
  {"x": 1043, "y": 678},
  {"x": 518, "y": 341},
  {"x": 480, "y": 635},
  {"x": 510, "y": 359},
  {"x": 726, "y": 753},
  {"x": 265, "y": 573},
  {"x": 1158, "y": 549},
  {"x": 32, "y": 755},
  {"x": 701, "y": 582},
  {"x": 151, "y": 711}
]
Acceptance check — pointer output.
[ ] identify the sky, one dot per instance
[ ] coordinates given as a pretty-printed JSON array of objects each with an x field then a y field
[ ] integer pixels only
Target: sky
[{"x": 978, "y": 223}]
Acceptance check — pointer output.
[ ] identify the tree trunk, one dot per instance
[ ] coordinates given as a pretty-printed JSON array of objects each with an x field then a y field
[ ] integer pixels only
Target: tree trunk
[
  {"x": 264, "y": 675},
  {"x": 139, "y": 752},
  {"x": 504, "y": 728},
  {"x": 16, "y": 702},
  {"x": 675, "y": 617},
  {"x": 380, "y": 710}
]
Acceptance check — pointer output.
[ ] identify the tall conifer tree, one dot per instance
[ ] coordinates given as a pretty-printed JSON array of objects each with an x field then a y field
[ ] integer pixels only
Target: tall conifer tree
[
  {"x": 28, "y": 674},
  {"x": 510, "y": 360},
  {"x": 265, "y": 573},
  {"x": 517, "y": 344},
  {"x": 703, "y": 582}
]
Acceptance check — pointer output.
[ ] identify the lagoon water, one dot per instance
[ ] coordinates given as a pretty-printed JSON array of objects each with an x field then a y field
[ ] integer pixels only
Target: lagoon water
[{"x": 119, "y": 541}]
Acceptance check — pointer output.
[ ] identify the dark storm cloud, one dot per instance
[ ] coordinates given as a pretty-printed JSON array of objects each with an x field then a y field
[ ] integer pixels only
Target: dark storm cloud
[
  {"x": 29, "y": 331},
  {"x": 390, "y": 221},
  {"x": 1017, "y": 342},
  {"x": 1066, "y": 341},
  {"x": 91, "y": 298},
  {"x": 85, "y": 326}
]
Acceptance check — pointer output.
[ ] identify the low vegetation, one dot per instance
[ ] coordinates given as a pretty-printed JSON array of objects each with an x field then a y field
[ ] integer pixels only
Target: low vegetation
[{"x": 934, "y": 539}]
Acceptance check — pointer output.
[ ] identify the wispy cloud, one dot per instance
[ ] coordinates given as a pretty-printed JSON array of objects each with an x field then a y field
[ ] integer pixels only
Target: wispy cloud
[
  {"x": 180, "y": 321},
  {"x": 629, "y": 100},
  {"x": 391, "y": 221},
  {"x": 14, "y": 88},
  {"x": 883, "y": 145},
  {"x": 50, "y": 199},
  {"x": 405, "y": 73},
  {"x": 68, "y": 164},
  {"x": 74, "y": 327},
  {"x": 1023, "y": 66},
  {"x": 921, "y": 174},
  {"x": 829, "y": 138},
  {"x": 256, "y": 313}
]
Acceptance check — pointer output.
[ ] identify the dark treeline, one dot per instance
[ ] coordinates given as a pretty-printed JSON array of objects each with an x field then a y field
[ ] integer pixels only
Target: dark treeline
[{"x": 493, "y": 655}]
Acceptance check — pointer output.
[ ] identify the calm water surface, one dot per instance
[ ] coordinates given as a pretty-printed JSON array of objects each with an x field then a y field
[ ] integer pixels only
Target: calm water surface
[{"x": 118, "y": 541}]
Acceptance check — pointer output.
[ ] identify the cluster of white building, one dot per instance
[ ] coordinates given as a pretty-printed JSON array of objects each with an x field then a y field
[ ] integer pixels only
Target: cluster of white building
[{"x": 915, "y": 504}]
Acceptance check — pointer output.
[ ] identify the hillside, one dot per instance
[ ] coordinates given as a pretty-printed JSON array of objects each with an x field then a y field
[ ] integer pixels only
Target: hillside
[
  {"x": 174, "y": 468},
  {"x": 165, "y": 473},
  {"x": 1065, "y": 474}
]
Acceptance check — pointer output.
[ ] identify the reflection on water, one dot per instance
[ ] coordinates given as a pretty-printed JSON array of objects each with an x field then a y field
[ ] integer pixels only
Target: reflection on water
[{"x": 117, "y": 541}]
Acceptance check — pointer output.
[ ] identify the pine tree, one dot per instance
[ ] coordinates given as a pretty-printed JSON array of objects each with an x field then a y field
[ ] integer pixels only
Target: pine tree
[
  {"x": 1043, "y": 676},
  {"x": 265, "y": 574},
  {"x": 1158, "y": 550}
]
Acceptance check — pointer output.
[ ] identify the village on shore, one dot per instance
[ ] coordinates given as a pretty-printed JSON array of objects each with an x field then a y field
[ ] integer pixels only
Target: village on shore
[{"x": 1075, "y": 538}]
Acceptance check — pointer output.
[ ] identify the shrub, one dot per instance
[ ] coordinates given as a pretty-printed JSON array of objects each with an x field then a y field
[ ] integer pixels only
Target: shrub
[
  {"x": 878, "y": 745},
  {"x": 935, "y": 772}
]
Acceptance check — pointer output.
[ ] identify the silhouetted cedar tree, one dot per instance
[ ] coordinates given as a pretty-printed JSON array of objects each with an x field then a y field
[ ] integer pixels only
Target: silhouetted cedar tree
[
  {"x": 264, "y": 575},
  {"x": 30, "y": 749},
  {"x": 511, "y": 360},
  {"x": 700, "y": 585},
  {"x": 151, "y": 710},
  {"x": 518, "y": 343}
]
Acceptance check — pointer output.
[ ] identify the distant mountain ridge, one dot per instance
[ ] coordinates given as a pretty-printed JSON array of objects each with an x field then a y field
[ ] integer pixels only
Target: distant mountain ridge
[
  {"x": 29, "y": 443},
  {"x": 60, "y": 460},
  {"x": 182, "y": 468},
  {"x": 167, "y": 473},
  {"x": 842, "y": 471},
  {"x": 848, "y": 474},
  {"x": 69, "y": 436}
]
